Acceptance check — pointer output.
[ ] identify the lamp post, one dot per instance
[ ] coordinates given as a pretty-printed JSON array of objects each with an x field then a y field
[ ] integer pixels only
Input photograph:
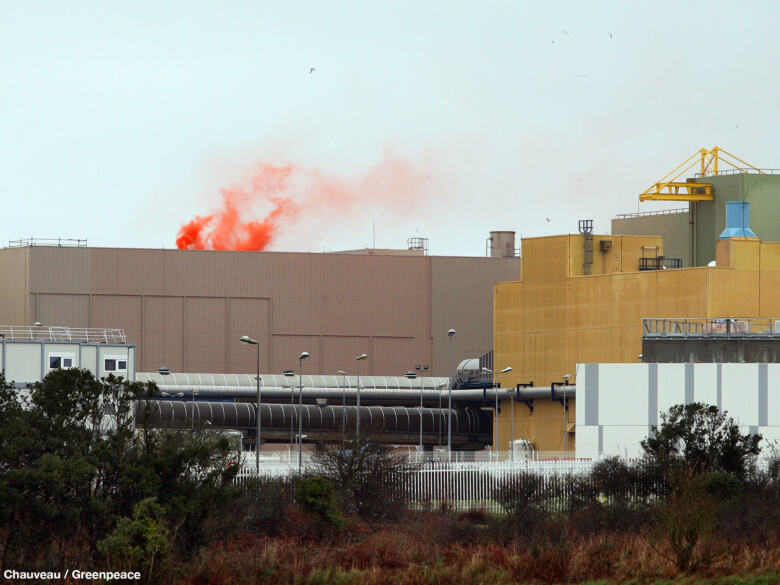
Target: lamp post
[
  {"x": 565, "y": 383},
  {"x": 194, "y": 394},
  {"x": 411, "y": 376},
  {"x": 289, "y": 374},
  {"x": 258, "y": 443},
  {"x": 450, "y": 334},
  {"x": 343, "y": 407},
  {"x": 3, "y": 357},
  {"x": 302, "y": 357},
  {"x": 359, "y": 359},
  {"x": 495, "y": 392}
]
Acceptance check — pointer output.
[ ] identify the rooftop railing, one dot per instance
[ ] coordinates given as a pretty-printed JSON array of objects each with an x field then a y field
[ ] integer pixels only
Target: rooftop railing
[
  {"x": 738, "y": 171},
  {"x": 67, "y": 334},
  {"x": 67, "y": 242},
  {"x": 650, "y": 213},
  {"x": 725, "y": 327}
]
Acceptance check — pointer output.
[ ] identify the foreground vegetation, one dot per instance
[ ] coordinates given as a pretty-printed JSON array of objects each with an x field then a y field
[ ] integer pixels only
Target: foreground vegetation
[{"x": 81, "y": 487}]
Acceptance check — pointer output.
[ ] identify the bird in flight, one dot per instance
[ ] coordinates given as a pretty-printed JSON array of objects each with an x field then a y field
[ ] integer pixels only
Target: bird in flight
[
  {"x": 548, "y": 219},
  {"x": 312, "y": 70},
  {"x": 610, "y": 35},
  {"x": 563, "y": 32}
]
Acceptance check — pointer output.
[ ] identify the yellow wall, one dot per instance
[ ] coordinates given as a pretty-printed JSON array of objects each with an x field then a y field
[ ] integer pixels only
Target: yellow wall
[
  {"x": 554, "y": 258},
  {"x": 545, "y": 324},
  {"x": 544, "y": 427}
]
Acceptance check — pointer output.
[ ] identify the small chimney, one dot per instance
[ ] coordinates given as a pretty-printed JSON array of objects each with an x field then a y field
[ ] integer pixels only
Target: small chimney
[
  {"x": 737, "y": 221},
  {"x": 502, "y": 244}
]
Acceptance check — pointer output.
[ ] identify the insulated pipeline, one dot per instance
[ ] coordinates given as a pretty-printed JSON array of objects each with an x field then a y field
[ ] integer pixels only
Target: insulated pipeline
[{"x": 469, "y": 425}]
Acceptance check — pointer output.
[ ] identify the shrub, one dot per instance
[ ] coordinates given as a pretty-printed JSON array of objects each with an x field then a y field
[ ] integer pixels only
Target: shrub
[
  {"x": 266, "y": 502},
  {"x": 315, "y": 495},
  {"x": 369, "y": 480},
  {"x": 141, "y": 541}
]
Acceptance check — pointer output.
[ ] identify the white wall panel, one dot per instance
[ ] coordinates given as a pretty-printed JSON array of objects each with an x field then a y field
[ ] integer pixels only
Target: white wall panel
[
  {"x": 705, "y": 383},
  {"x": 24, "y": 362},
  {"x": 623, "y": 440},
  {"x": 773, "y": 394},
  {"x": 740, "y": 392},
  {"x": 671, "y": 386},
  {"x": 587, "y": 440},
  {"x": 623, "y": 394}
]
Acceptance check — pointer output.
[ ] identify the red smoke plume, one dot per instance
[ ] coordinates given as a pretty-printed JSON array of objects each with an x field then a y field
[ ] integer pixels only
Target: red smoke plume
[{"x": 288, "y": 194}]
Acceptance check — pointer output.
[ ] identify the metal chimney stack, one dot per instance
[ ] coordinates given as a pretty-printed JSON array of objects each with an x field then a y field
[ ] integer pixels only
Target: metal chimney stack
[{"x": 502, "y": 244}]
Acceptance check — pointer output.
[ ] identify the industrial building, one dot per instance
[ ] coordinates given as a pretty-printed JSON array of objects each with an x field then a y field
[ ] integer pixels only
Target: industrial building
[
  {"x": 187, "y": 309},
  {"x": 584, "y": 298},
  {"x": 617, "y": 404},
  {"x": 689, "y": 233}
]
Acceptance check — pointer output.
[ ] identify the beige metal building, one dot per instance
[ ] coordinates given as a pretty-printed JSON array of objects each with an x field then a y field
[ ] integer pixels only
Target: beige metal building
[{"x": 186, "y": 309}]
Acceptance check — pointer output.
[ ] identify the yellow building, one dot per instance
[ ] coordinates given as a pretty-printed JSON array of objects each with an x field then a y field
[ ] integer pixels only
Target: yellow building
[{"x": 557, "y": 317}]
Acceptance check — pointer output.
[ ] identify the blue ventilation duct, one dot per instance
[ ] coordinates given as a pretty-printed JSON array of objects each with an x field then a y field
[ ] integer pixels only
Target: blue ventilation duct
[{"x": 737, "y": 221}]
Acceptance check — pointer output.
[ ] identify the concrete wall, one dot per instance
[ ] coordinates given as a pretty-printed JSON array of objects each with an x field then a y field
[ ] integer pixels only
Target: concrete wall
[
  {"x": 682, "y": 350},
  {"x": 617, "y": 404},
  {"x": 186, "y": 309},
  {"x": 674, "y": 228}
]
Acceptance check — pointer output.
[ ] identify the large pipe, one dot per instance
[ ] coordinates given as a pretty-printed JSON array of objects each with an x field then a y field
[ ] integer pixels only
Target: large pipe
[
  {"x": 368, "y": 396},
  {"x": 216, "y": 381},
  {"x": 321, "y": 422},
  {"x": 569, "y": 391}
]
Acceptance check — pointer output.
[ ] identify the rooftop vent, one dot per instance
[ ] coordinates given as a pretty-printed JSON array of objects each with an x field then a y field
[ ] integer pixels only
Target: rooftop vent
[
  {"x": 418, "y": 244},
  {"x": 737, "y": 221}
]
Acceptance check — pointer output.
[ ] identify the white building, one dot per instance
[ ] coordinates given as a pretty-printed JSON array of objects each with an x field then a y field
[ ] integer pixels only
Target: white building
[
  {"x": 29, "y": 353},
  {"x": 617, "y": 404}
]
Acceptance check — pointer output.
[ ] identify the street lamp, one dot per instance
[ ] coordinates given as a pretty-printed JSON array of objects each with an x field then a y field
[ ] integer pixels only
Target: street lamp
[
  {"x": 565, "y": 383},
  {"x": 248, "y": 340},
  {"x": 359, "y": 359},
  {"x": 302, "y": 357},
  {"x": 3, "y": 357},
  {"x": 495, "y": 392},
  {"x": 169, "y": 395},
  {"x": 450, "y": 334},
  {"x": 411, "y": 375},
  {"x": 195, "y": 392},
  {"x": 343, "y": 407},
  {"x": 289, "y": 374}
]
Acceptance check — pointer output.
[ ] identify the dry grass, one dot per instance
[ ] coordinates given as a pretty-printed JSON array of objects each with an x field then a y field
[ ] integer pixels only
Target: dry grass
[{"x": 420, "y": 551}]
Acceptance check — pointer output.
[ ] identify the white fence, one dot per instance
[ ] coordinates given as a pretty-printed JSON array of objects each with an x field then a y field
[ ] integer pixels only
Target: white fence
[{"x": 459, "y": 486}]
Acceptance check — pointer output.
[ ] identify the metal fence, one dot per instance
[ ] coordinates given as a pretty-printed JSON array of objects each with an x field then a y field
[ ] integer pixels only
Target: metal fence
[
  {"x": 725, "y": 327},
  {"x": 459, "y": 486}
]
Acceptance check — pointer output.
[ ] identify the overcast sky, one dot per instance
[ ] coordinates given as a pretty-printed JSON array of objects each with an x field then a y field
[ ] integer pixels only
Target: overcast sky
[{"x": 121, "y": 121}]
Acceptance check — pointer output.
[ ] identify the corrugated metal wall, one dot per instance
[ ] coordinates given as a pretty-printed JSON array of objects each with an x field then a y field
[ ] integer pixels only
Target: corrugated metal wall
[
  {"x": 462, "y": 299},
  {"x": 13, "y": 286},
  {"x": 543, "y": 329},
  {"x": 187, "y": 309}
]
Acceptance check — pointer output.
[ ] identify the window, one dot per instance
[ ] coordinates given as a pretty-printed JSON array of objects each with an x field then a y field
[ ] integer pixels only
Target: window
[
  {"x": 57, "y": 361},
  {"x": 115, "y": 364}
]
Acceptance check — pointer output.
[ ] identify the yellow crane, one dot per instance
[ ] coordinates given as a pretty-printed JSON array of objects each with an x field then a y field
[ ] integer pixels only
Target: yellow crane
[{"x": 671, "y": 188}]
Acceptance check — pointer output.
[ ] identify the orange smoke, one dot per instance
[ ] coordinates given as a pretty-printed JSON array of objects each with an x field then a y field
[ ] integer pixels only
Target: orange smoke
[
  {"x": 225, "y": 229},
  {"x": 284, "y": 195}
]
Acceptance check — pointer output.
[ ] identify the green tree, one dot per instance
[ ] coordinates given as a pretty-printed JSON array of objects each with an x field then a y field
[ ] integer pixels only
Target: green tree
[
  {"x": 700, "y": 439},
  {"x": 72, "y": 464}
]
